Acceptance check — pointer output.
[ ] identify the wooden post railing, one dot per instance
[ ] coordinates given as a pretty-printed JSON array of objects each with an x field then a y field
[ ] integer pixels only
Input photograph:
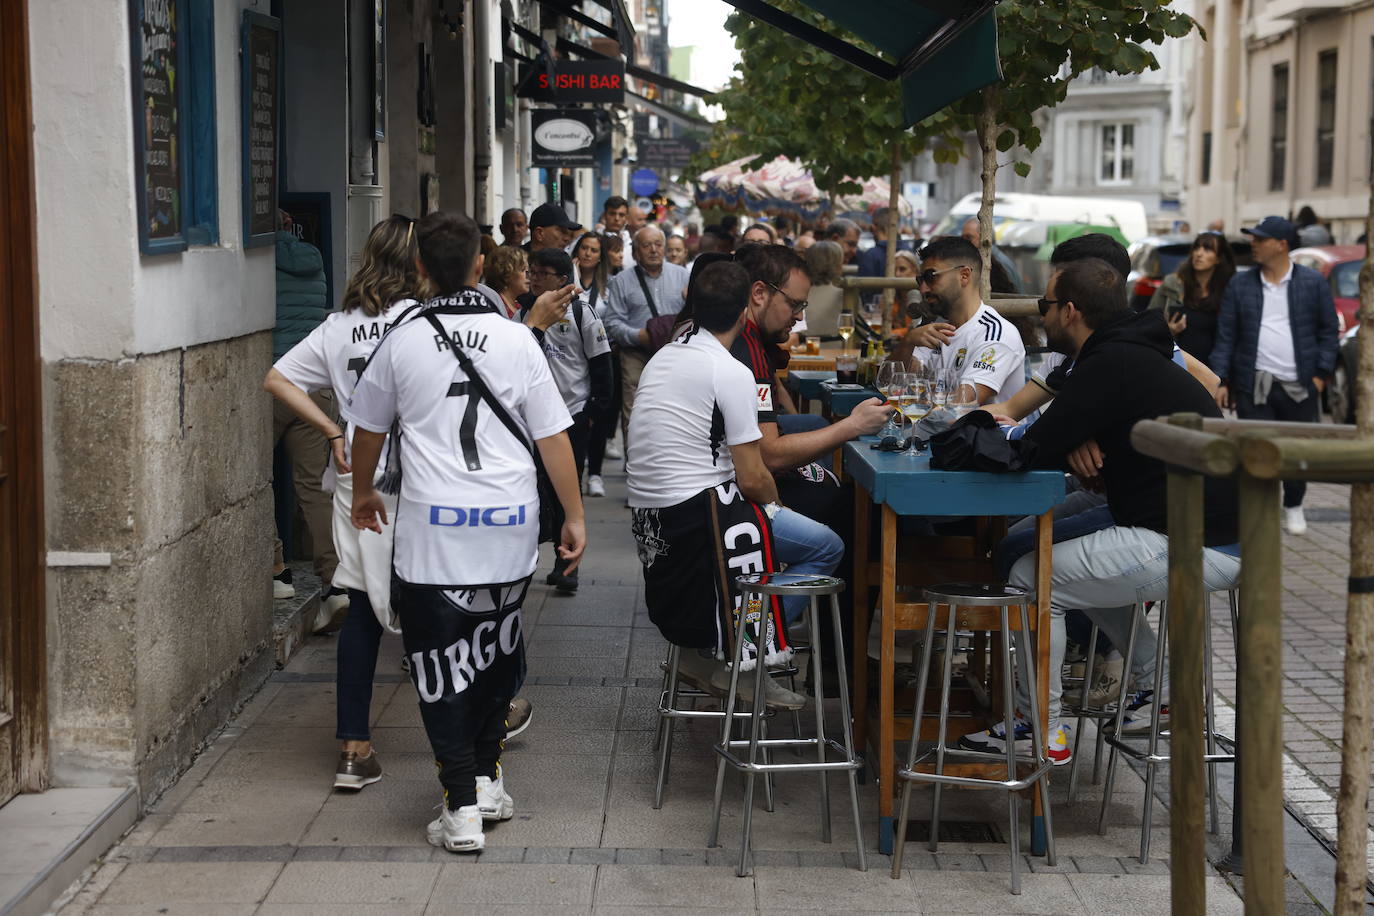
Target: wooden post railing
[{"x": 1259, "y": 456}]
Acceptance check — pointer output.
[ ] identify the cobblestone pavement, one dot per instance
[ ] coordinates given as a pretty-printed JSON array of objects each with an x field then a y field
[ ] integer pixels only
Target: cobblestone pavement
[
  {"x": 1315, "y": 568},
  {"x": 254, "y": 826}
]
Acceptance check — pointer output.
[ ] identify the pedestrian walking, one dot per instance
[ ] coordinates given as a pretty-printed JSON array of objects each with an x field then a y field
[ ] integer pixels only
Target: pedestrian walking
[
  {"x": 383, "y": 292},
  {"x": 1276, "y": 345},
  {"x": 471, "y": 398},
  {"x": 1191, "y": 296}
]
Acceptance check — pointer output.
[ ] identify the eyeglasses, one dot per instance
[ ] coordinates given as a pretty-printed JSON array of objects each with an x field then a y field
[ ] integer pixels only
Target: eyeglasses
[
  {"x": 1044, "y": 305},
  {"x": 927, "y": 276},
  {"x": 797, "y": 306}
]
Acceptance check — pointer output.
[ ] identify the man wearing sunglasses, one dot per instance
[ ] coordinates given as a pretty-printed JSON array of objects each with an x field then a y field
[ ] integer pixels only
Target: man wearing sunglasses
[{"x": 984, "y": 350}]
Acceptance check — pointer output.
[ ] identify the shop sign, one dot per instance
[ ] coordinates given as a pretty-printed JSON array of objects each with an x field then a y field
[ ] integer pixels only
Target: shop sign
[
  {"x": 563, "y": 138},
  {"x": 596, "y": 81}
]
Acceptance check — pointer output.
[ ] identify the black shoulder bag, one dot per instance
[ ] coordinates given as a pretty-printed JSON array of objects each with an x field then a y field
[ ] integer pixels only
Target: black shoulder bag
[{"x": 546, "y": 494}]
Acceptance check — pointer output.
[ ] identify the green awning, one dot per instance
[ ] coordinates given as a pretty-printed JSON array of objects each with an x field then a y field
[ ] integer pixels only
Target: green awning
[{"x": 944, "y": 49}]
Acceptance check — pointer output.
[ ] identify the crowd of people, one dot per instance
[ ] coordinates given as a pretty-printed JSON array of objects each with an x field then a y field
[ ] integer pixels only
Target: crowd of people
[{"x": 481, "y": 386}]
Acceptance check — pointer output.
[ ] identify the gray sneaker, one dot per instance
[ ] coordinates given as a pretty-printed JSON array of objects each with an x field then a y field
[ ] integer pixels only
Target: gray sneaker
[
  {"x": 354, "y": 772},
  {"x": 519, "y": 716},
  {"x": 774, "y": 694},
  {"x": 1107, "y": 684},
  {"x": 699, "y": 671}
]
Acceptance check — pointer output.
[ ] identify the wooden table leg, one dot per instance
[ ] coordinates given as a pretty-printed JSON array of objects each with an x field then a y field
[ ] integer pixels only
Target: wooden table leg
[
  {"x": 860, "y": 609},
  {"x": 1044, "y": 568},
  {"x": 886, "y": 680}
]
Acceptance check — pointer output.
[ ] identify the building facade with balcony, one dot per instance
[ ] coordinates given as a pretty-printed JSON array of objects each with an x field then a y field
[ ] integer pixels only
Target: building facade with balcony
[{"x": 1282, "y": 110}]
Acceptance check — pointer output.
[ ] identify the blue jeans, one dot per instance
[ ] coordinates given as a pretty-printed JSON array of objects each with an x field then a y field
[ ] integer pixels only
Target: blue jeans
[
  {"x": 359, "y": 638},
  {"x": 808, "y": 548},
  {"x": 1020, "y": 539}
]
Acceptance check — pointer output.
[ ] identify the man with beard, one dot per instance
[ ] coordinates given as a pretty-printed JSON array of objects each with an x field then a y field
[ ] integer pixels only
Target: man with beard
[
  {"x": 1123, "y": 372},
  {"x": 980, "y": 348},
  {"x": 823, "y": 509}
]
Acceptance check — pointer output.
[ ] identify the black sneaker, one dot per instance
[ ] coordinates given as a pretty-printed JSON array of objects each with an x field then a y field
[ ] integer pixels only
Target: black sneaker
[{"x": 281, "y": 584}]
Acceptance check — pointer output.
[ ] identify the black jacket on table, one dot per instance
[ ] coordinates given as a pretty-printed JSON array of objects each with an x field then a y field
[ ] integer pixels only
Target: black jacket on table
[{"x": 1124, "y": 374}]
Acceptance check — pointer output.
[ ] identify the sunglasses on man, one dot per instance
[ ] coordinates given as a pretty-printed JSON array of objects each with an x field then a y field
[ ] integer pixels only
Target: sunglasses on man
[
  {"x": 927, "y": 276},
  {"x": 1044, "y": 305}
]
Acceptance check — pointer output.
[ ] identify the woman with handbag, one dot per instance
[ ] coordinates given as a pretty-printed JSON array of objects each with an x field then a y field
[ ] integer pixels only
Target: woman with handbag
[{"x": 383, "y": 293}]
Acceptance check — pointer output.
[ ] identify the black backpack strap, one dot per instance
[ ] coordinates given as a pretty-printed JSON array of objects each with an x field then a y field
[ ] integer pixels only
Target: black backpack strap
[
  {"x": 577, "y": 315},
  {"x": 476, "y": 381},
  {"x": 644, "y": 285}
]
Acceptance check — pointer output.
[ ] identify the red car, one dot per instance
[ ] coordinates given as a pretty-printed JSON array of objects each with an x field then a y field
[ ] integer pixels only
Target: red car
[{"x": 1340, "y": 264}]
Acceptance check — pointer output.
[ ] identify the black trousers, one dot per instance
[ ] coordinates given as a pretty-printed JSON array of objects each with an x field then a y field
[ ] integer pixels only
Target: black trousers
[
  {"x": 604, "y": 424},
  {"x": 1281, "y": 406},
  {"x": 578, "y": 434},
  {"x": 467, "y": 657}
]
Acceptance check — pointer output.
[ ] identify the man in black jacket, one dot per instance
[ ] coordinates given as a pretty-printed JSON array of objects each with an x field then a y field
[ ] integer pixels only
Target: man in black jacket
[{"x": 1123, "y": 372}]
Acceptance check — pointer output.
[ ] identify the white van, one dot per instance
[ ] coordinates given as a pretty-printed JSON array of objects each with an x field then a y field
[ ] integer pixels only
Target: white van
[{"x": 1126, "y": 215}]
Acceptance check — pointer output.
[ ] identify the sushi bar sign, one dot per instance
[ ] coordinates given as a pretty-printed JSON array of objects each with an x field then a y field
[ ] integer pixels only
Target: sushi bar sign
[{"x": 563, "y": 138}]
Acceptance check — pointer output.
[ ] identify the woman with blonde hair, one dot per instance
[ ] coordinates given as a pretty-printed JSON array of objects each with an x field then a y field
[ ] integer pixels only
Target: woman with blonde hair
[
  {"x": 507, "y": 272},
  {"x": 385, "y": 291}
]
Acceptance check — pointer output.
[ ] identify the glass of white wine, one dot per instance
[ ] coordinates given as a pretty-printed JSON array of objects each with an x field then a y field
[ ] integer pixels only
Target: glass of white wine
[
  {"x": 888, "y": 381},
  {"x": 845, "y": 327},
  {"x": 915, "y": 405}
]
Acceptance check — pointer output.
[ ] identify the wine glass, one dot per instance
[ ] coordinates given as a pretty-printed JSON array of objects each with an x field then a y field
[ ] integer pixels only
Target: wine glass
[
  {"x": 845, "y": 327},
  {"x": 915, "y": 404},
  {"x": 963, "y": 400},
  {"x": 888, "y": 382},
  {"x": 939, "y": 389}
]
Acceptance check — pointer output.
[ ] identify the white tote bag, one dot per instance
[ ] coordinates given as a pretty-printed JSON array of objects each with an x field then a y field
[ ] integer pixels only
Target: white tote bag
[{"x": 365, "y": 556}]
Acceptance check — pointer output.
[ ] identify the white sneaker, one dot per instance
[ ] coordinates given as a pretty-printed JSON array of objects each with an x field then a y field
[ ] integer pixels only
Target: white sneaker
[
  {"x": 457, "y": 831},
  {"x": 492, "y": 800},
  {"x": 1294, "y": 522},
  {"x": 595, "y": 485},
  {"x": 282, "y": 586},
  {"x": 333, "y": 609},
  {"x": 613, "y": 449}
]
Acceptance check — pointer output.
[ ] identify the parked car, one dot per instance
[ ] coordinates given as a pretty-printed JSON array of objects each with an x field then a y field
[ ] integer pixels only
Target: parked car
[
  {"x": 1156, "y": 256},
  {"x": 1340, "y": 394},
  {"x": 1340, "y": 264}
]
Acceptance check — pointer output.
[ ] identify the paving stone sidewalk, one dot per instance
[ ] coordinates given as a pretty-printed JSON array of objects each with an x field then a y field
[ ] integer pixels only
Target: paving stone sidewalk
[
  {"x": 1315, "y": 568},
  {"x": 255, "y": 827}
]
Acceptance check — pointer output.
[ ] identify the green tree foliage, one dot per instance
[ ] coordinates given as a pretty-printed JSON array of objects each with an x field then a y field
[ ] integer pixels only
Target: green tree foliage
[{"x": 795, "y": 100}]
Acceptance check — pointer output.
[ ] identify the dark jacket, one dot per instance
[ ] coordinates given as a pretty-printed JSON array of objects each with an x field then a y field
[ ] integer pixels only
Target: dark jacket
[
  {"x": 1125, "y": 373},
  {"x": 302, "y": 295},
  {"x": 1311, "y": 314}
]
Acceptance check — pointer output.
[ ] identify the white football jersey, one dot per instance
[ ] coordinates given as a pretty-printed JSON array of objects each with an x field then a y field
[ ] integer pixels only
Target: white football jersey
[
  {"x": 468, "y": 511},
  {"x": 985, "y": 350},
  {"x": 335, "y": 353}
]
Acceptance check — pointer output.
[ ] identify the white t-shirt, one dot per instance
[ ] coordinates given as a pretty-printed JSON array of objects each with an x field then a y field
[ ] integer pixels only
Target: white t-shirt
[
  {"x": 468, "y": 512},
  {"x": 1275, "y": 354},
  {"x": 985, "y": 350},
  {"x": 694, "y": 400},
  {"x": 335, "y": 353},
  {"x": 570, "y": 350}
]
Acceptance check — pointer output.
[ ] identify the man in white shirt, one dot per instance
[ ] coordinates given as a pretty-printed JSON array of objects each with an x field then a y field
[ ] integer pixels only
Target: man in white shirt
[
  {"x": 1277, "y": 342},
  {"x": 468, "y": 399},
  {"x": 651, "y": 288},
  {"x": 983, "y": 350},
  {"x": 694, "y": 438},
  {"x": 614, "y": 216}
]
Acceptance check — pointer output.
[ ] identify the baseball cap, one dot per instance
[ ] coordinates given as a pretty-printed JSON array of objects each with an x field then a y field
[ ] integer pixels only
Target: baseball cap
[
  {"x": 546, "y": 215},
  {"x": 1274, "y": 227}
]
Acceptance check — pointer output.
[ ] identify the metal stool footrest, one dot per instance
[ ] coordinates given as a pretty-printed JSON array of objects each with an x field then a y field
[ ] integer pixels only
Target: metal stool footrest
[
  {"x": 986, "y": 597},
  {"x": 754, "y": 760}
]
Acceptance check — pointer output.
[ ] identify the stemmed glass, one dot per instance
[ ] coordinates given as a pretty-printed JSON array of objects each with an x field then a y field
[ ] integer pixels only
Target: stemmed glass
[
  {"x": 845, "y": 328},
  {"x": 915, "y": 404},
  {"x": 887, "y": 382},
  {"x": 963, "y": 401}
]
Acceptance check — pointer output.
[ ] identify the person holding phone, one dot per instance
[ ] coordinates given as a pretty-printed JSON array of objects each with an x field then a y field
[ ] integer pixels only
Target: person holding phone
[{"x": 1191, "y": 296}]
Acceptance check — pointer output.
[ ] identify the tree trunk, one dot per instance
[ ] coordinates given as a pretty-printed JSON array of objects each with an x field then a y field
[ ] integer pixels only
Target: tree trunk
[
  {"x": 987, "y": 142},
  {"x": 1352, "y": 804},
  {"x": 893, "y": 217}
]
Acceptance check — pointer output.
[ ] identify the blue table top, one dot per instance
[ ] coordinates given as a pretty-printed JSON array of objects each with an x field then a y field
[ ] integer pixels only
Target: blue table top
[
  {"x": 807, "y": 382},
  {"x": 910, "y": 487},
  {"x": 841, "y": 403}
]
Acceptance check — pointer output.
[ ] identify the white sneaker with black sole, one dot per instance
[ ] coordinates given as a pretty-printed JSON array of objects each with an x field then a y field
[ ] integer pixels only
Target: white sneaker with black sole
[
  {"x": 595, "y": 485},
  {"x": 457, "y": 831}
]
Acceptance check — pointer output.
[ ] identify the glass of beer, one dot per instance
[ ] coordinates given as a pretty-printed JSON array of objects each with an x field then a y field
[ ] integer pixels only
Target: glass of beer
[{"x": 845, "y": 327}]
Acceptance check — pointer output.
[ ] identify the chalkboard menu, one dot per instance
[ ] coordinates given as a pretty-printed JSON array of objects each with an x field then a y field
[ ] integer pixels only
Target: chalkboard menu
[
  {"x": 159, "y": 52},
  {"x": 261, "y": 85}
]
